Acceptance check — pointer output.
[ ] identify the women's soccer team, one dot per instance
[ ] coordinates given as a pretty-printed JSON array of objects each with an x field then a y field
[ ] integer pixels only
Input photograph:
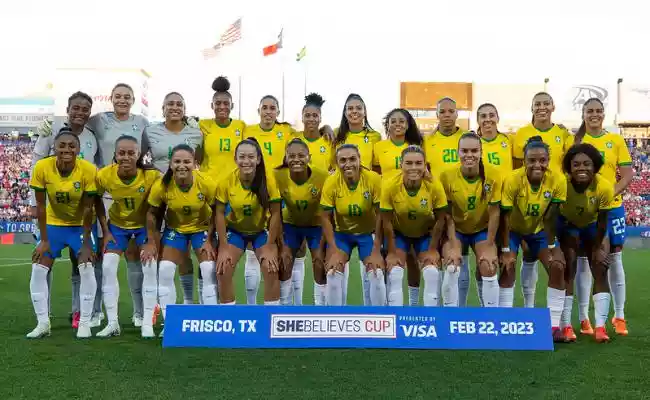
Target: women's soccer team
[{"x": 410, "y": 204}]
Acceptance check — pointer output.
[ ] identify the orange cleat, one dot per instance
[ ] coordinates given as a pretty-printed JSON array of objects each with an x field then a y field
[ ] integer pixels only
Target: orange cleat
[
  {"x": 558, "y": 337},
  {"x": 569, "y": 334},
  {"x": 156, "y": 312},
  {"x": 620, "y": 326},
  {"x": 585, "y": 327},
  {"x": 601, "y": 335}
]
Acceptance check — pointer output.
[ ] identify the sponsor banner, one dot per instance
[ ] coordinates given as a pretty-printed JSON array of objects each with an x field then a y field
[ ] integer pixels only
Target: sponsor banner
[
  {"x": 570, "y": 97},
  {"x": 17, "y": 227},
  {"x": 22, "y": 120},
  {"x": 635, "y": 102},
  {"x": 358, "y": 327}
]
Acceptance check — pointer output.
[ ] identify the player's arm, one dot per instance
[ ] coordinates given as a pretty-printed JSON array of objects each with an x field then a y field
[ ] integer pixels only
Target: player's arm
[
  {"x": 440, "y": 217},
  {"x": 601, "y": 227},
  {"x": 550, "y": 221},
  {"x": 152, "y": 225},
  {"x": 220, "y": 224},
  {"x": 379, "y": 234},
  {"x": 387, "y": 224},
  {"x": 101, "y": 214},
  {"x": 494, "y": 216},
  {"x": 275, "y": 222},
  {"x": 41, "y": 213},
  {"x": 627, "y": 173},
  {"x": 326, "y": 217}
]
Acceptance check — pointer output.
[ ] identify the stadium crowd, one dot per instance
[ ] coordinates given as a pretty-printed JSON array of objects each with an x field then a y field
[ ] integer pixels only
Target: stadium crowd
[{"x": 15, "y": 162}]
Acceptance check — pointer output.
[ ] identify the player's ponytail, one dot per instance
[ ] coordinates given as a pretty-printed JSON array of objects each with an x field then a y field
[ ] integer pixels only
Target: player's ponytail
[
  {"x": 258, "y": 186},
  {"x": 169, "y": 174}
]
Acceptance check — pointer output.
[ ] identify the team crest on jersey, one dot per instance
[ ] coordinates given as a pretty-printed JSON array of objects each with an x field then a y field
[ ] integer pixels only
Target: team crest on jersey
[
  {"x": 77, "y": 186},
  {"x": 201, "y": 196},
  {"x": 237, "y": 132},
  {"x": 609, "y": 145},
  {"x": 141, "y": 189},
  {"x": 135, "y": 127},
  {"x": 365, "y": 139},
  {"x": 366, "y": 195},
  {"x": 279, "y": 135},
  {"x": 558, "y": 139},
  {"x": 547, "y": 194},
  {"x": 592, "y": 200},
  {"x": 487, "y": 187},
  {"x": 314, "y": 192},
  {"x": 89, "y": 144},
  {"x": 322, "y": 149},
  {"x": 423, "y": 203},
  {"x": 504, "y": 144}
]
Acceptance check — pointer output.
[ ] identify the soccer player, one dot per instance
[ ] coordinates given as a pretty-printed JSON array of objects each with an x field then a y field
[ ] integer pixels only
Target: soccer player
[
  {"x": 474, "y": 193},
  {"x": 530, "y": 201},
  {"x": 407, "y": 200},
  {"x": 189, "y": 197},
  {"x": 68, "y": 183},
  {"x": 163, "y": 137},
  {"x": 255, "y": 203},
  {"x": 584, "y": 219},
  {"x": 300, "y": 186},
  {"x": 616, "y": 156},
  {"x": 351, "y": 197},
  {"x": 320, "y": 144},
  {"x": 129, "y": 182}
]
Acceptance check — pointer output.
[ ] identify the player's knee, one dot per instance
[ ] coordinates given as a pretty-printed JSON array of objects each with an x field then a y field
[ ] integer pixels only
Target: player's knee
[
  {"x": 166, "y": 271},
  {"x": 486, "y": 267}
]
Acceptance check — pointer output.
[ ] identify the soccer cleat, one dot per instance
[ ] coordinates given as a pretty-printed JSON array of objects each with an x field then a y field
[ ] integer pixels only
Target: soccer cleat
[
  {"x": 75, "y": 319},
  {"x": 112, "y": 329},
  {"x": 147, "y": 332},
  {"x": 156, "y": 313},
  {"x": 41, "y": 330},
  {"x": 601, "y": 335},
  {"x": 585, "y": 327},
  {"x": 558, "y": 337},
  {"x": 96, "y": 320},
  {"x": 137, "y": 321},
  {"x": 569, "y": 334},
  {"x": 620, "y": 326},
  {"x": 84, "y": 331}
]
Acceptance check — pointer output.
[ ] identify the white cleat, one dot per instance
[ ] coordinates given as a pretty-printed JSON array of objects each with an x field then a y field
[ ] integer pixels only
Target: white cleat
[
  {"x": 147, "y": 332},
  {"x": 83, "y": 332},
  {"x": 137, "y": 321},
  {"x": 41, "y": 330},
  {"x": 112, "y": 329},
  {"x": 96, "y": 320}
]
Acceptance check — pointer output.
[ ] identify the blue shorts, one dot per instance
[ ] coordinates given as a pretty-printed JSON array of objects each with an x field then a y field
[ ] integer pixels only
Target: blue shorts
[
  {"x": 294, "y": 236},
  {"x": 535, "y": 242},
  {"x": 587, "y": 233},
  {"x": 180, "y": 241},
  {"x": 616, "y": 226},
  {"x": 404, "y": 243},
  {"x": 241, "y": 240},
  {"x": 123, "y": 236},
  {"x": 347, "y": 241},
  {"x": 61, "y": 237},
  {"x": 472, "y": 239}
]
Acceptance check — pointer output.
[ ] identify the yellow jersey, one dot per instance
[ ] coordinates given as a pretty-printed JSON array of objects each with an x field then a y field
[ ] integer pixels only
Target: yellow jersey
[
  {"x": 246, "y": 215},
  {"x": 497, "y": 152},
  {"x": 387, "y": 155},
  {"x": 529, "y": 204},
  {"x": 412, "y": 211},
  {"x": 442, "y": 151},
  {"x": 219, "y": 143},
  {"x": 129, "y": 208},
  {"x": 301, "y": 201},
  {"x": 354, "y": 208},
  {"x": 273, "y": 142},
  {"x": 556, "y": 138},
  {"x": 469, "y": 199},
  {"x": 365, "y": 140},
  {"x": 581, "y": 209},
  {"x": 64, "y": 193},
  {"x": 320, "y": 151},
  {"x": 187, "y": 211}
]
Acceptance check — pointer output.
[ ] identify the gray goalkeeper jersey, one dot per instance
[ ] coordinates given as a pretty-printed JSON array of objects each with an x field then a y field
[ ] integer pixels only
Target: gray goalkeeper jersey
[
  {"x": 162, "y": 141},
  {"x": 108, "y": 129}
]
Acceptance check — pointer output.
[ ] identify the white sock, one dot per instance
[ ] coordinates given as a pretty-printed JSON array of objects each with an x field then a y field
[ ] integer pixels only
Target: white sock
[
  {"x": 490, "y": 291},
  {"x": 209, "y": 289},
  {"x": 365, "y": 284},
  {"x": 200, "y": 281},
  {"x": 616, "y": 276},
  {"x": 166, "y": 285},
  {"x": 187, "y": 283},
  {"x": 97, "y": 303},
  {"x": 583, "y": 287},
  {"x": 87, "y": 291},
  {"x": 431, "y": 276},
  {"x": 555, "y": 303},
  {"x": 565, "y": 320},
  {"x": 49, "y": 290},
  {"x": 149, "y": 290},
  {"x": 252, "y": 277},
  {"x": 320, "y": 296},
  {"x": 134, "y": 278},
  {"x": 75, "y": 280},
  {"x": 335, "y": 289},
  {"x": 298, "y": 280},
  {"x": 395, "y": 287},
  {"x": 479, "y": 291},
  {"x": 110, "y": 285},
  {"x": 285, "y": 292},
  {"x": 463, "y": 282},
  {"x": 271, "y": 302},
  {"x": 529, "y": 282},
  {"x": 601, "y": 308},
  {"x": 450, "y": 286},
  {"x": 346, "y": 280},
  {"x": 376, "y": 287},
  {"x": 414, "y": 295},
  {"x": 506, "y": 296},
  {"x": 38, "y": 291}
]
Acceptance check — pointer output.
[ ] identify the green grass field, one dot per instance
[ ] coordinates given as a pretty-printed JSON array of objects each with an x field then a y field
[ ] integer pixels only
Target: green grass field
[{"x": 127, "y": 367}]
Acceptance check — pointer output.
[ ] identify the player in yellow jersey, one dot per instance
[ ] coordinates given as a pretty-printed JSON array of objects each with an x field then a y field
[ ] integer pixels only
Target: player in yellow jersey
[
  {"x": 320, "y": 144},
  {"x": 441, "y": 147},
  {"x": 402, "y": 132},
  {"x": 407, "y": 201},
  {"x": 583, "y": 223},
  {"x": 300, "y": 186},
  {"x": 254, "y": 219},
  {"x": 128, "y": 182},
  {"x": 530, "y": 201},
  {"x": 351, "y": 197},
  {"x": 68, "y": 186},
  {"x": 616, "y": 157},
  {"x": 474, "y": 193},
  {"x": 188, "y": 195},
  {"x": 355, "y": 129},
  {"x": 220, "y": 134}
]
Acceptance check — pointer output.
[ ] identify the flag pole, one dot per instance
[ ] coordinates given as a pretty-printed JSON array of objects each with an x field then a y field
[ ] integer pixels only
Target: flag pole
[
  {"x": 239, "y": 97},
  {"x": 283, "y": 91},
  {"x": 305, "y": 87}
]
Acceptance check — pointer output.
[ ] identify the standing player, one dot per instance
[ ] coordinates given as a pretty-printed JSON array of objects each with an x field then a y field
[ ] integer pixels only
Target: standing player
[
  {"x": 616, "y": 156},
  {"x": 351, "y": 197},
  {"x": 188, "y": 196},
  {"x": 584, "y": 222},
  {"x": 68, "y": 184},
  {"x": 409, "y": 226},
  {"x": 530, "y": 200},
  {"x": 128, "y": 182},
  {"x": 255, "y": 204},
  {"x": 320, "y": 145}
]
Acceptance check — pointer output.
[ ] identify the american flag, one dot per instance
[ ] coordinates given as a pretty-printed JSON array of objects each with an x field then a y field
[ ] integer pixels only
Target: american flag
[{"x": 230, "y": 36}]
